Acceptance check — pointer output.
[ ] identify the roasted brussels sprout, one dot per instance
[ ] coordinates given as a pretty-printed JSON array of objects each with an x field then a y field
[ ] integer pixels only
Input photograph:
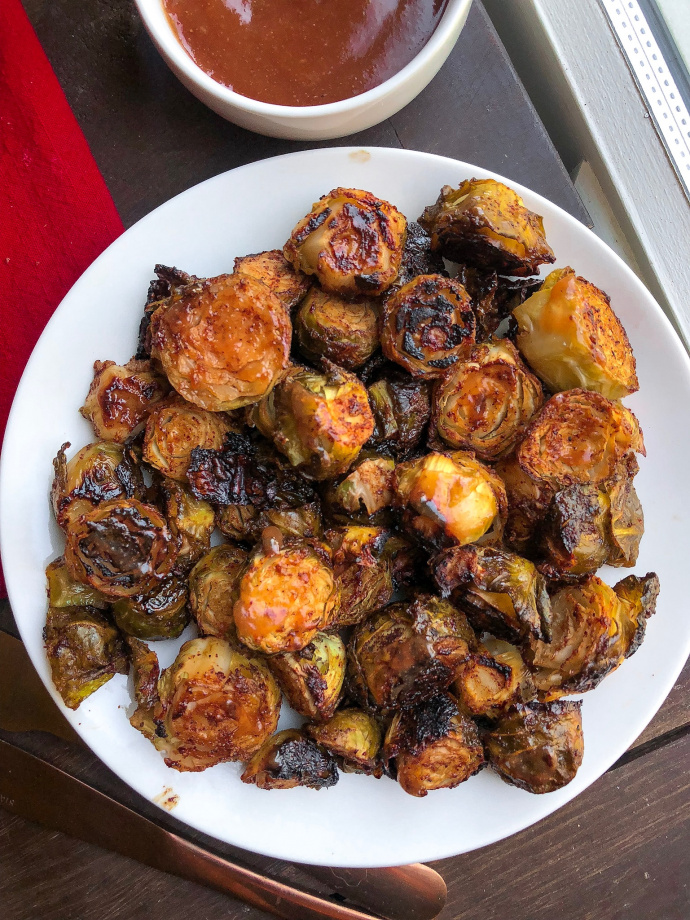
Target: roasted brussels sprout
[
  {"x": 215, "y": 704},
  {"x": 364, "y": 493},
  {"x": 169, "y": 284},
  {"x": 418, "y": 257},
  {"x": 223, "y": 343},
  {"x": 191, "y": 520},
  {"x": 162, "y": 614},
  {"x": 501, "y": 593},
  {"x": 351, "y": 240},
  {"x": 174, "y": 429},
  {"x": 494, "y": 298},
  {"x": 344, "y": 331},
  {"x": 364, "y": 571},
  {"x": 121, "y": 548},
  {"x": 408, "y": 652},
  {"x": 572, "y": 338},
  {"x": 426, "y": 323},
  {"x": 312, "y": 679},
  {"x": 486, "y": 400},
  {"x": 432, "y": 746},
  {"x": 537, "y": 747},
  {"x": 493, "y": 679},
  {"x": 593, "y": 629},
  {"x": 451, "y": 498},
  {"x": 291, "y": 759},
  {"x": 120, "y": 397},
  {"x": 84, "y": 651},
  {"x": 354, "y": 738},
  {"x": 528, "y": 502},
  {"x": 285, "y": 597},
  {"x": 64, "y": 591},
  {"x": 99, "y": 472},
  {"x": 274, "y": 270},
  {"x": 145, "y": 673},
  {"x": 401, "y": 408},
  {"x": 320, "y": 421},
  {"x": 214, "y": 588},
  {"x": 485, "y": 223}
]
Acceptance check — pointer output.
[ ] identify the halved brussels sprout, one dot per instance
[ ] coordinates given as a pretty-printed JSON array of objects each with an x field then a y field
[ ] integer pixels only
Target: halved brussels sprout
[
  {"x": 406, "y": 653},
  {"x": 191, "y": 520},
  {"x": 594, "y": 629},
  {"x": 363, "y": 493},
  {"x": 344, "y": 331},
  {"x": 426, "y": 323},
  {"x": 312, "y": 679},
  {"x": 320, "y": 421},
  {"x": 290, "y": 759},
  {"x": 494, "y": 298},
  {"x": 493, "y": 679},
  {"x": 120, "y": 397},
  {"x": 274, "y": 270},
  {"x": 121, "y": 548},
  {"x": 537, "y": 747},
  {"x": 214, "y": 588},
  {"x": 432, "y": 746},
  {"x": 162, "y": 614},
  {"x": 486, "y": 400},
  {"x": 451, "y": 498},
  {"x": 215, "y": 704},
  {"x": 174, "y": 429},
  {"x": 501, "y": 593},
  {"x": 145, "y": 673},
  {"x": 572, "y": 338},
  {"x": 418, "y": 257},
  {"x": 485, "y": 223},
  {"x": 84, "y": 651},
  {"x": 223, "y": 343},
  {"x": 401, "y": 410},
  {"x": 364, "y": 572},
  {"x": 354, "y": 738},
  {"x": 99, "y": 472},
  {"x": 528, "y": 502},
  {"x": 169, "y": 284},
  {"x": 64, "y": 591},
  {"x": 285, "y": 597},
  {"x": 351, "y": 240}
]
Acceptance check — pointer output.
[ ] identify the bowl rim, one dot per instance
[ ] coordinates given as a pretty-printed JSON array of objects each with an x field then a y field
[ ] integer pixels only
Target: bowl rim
[{"x": 161, "y": 30}]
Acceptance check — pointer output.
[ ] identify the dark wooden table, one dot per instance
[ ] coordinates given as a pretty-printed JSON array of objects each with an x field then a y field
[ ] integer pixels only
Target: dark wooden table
[{"x": 620, "y": 850}]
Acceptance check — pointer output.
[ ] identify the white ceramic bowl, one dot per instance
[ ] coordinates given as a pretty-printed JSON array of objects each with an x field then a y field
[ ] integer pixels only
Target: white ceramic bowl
[{"x": 312, "y": 122}]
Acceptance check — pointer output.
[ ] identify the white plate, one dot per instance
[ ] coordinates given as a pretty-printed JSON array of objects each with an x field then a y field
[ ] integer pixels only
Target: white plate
[{"x": 361, "y": 821}]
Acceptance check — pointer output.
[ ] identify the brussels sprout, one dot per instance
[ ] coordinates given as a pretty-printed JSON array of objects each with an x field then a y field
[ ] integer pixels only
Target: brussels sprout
[
  {"x": 191, "y": 521},
  {"x": 364, "y": 493},
  {"x": 494, "y": 298},
  {"x": 363, "y": 570},
  {"x": 344, "y": 331},
  {"x": 572, "y": 338},
  {"x": 84, "y": 651},
  {"x": 162, "y": 614},
  {"x": 407, "y": 653},
  {"x": 537, "y": 747},
  {"x": 274, "y": 270},
  {"x": 120, "y": 396},
  {"x": 215, "y": 704},
  {"x": 213, "y": 589},
  {"x": 426, "y": 323},
  {"x": 285, "y": 597},
  {"x": 501, "y": 593},
  {"x": 169, "y": 283},
  {"x": 145, "y": 673},
  {"x": 354, "y": 738},
  {"x": 312, "y": 679},
  {"x": 174, "y": 429},
  {"x": 320, "y": 421},
  {"x": 593, "y": 630},
  {"x": 418, "y": 257},
  {"x": 351, "y": 240},
  {"x": 432, "y": 746},
  {"x": 290, "y": 759},
  {"x": 493, "y": 679},
  {"x": 401, "y": 411},
  {"x": 528, "y": 502},
  {"x": 451, "y": 498},
  {"x": 486, "y": 400},
  {"x": 64, "y": 591},
  {"x": 485, "y": 223},
  {"x": 99, "y": 472},
  {"x": 223, "y": 343},
  {"x": 122, "y": 548}
]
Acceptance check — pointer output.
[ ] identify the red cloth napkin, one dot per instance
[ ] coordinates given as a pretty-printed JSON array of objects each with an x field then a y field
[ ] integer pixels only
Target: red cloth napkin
[{"x": 56, "y": 214}]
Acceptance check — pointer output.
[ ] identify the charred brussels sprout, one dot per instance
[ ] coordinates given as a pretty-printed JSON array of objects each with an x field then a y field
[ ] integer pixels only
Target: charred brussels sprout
[
  {"x": 418, "y": 257},
  {"x": 191, "y": 520},
  {"x": 493, "y": 679},
  {"x": 290, "y": 759},
  {"x": 215, "y": 704},
  {"x": 274, "y": 270},
  {"x": 494, "y": 298},
  {"x": 364, "y": 570},
  {"x": 84, "y": 651},
  {"x": 537, "y": 747},
  {"x": 401, "y": 410},
  {"x": 168, "y": 285},
  {"x": 486, "y": 401},
  {"x": 351, "y": 240},
  {"x": 433, "y": 746},
  {"x": 528, "y": 502},
  {"x": 223, "y": 343},
  {"x": 344, "y": 331},
  {"x": 162, "y": 614},
  {"x": 407, "y": 653},
  {"x": 120, "y": 397},
  {"x": 214, "y": 588},
  {"x": 312, "y": 679},
  {"x": 145, "y": 673},
  {"x": 572, "y": 338},
  {"x": 354, "y": 738},
  {"x": 320, "y": 421},
  {"x": 485, "y": 223},
  {"x": 364, "y": 493},
  {"x": 64, "y": 591},
  {"x": 451, "y": 499},
  {"x": 426, "y": 323}
]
